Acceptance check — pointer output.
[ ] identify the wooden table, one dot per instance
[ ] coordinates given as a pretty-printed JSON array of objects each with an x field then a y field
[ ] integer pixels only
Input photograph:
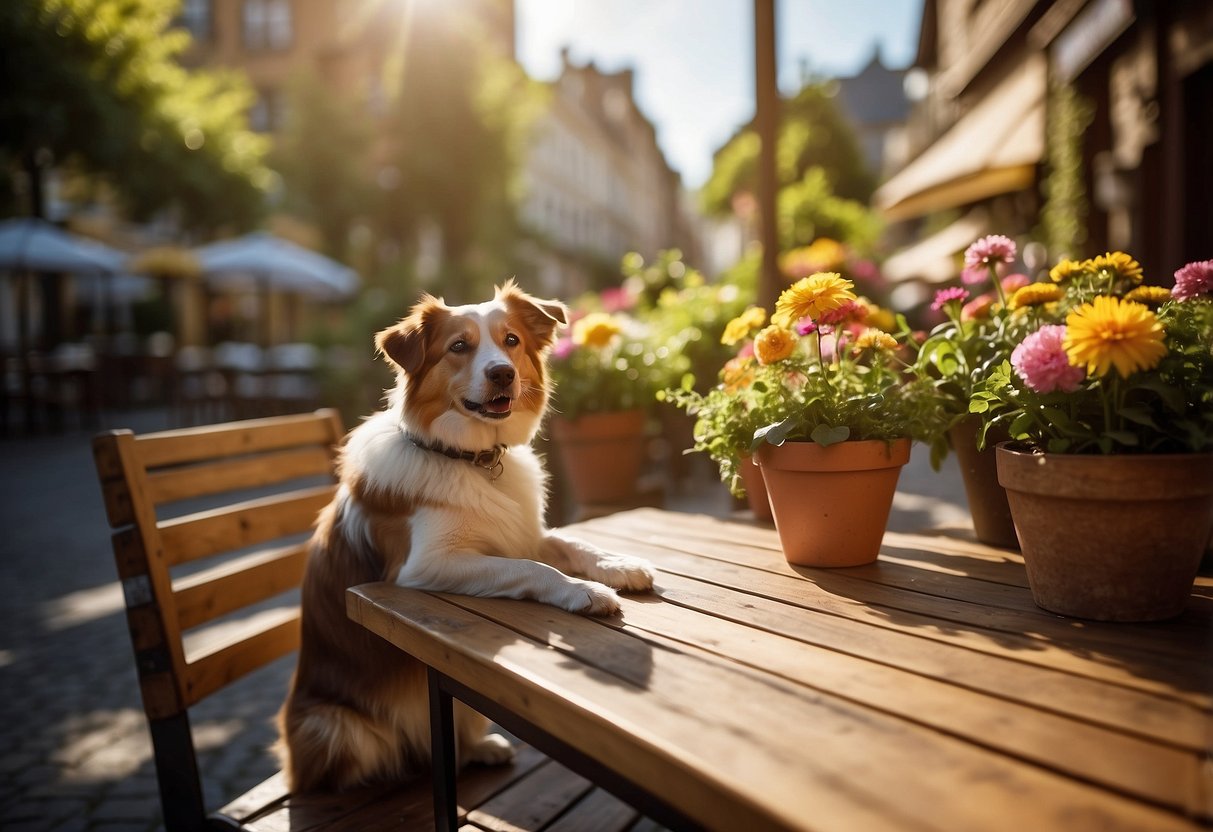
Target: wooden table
[{"x": 924, "y": 691}]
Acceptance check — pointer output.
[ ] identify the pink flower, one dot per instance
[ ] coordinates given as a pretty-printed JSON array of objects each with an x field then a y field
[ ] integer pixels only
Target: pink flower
[
  {"x": 989, "y": 250},
  {"x": 849, "y": 311},
  {"x": 971, "y": 277},
  {"x": 563, "y": 348},
  {"x": 1193, "y": 280},
  {"x": 1040, "y": 361},
  {"x": 747, "y": 350},
  {"x": 805, "y": 326},
  {"x": 978, "y": 307},
  {"x": 1014, "y": 281},
  {"x": 953, "y": 294},
  {"x": 616, "y": 299}
]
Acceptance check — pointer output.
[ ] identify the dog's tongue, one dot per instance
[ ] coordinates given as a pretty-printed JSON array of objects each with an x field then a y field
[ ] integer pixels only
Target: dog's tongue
[{"x": 501, "y": 404}]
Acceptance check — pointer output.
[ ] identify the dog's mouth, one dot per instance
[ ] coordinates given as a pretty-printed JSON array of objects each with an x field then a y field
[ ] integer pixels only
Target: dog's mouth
[{"x": 497, "y": 408}]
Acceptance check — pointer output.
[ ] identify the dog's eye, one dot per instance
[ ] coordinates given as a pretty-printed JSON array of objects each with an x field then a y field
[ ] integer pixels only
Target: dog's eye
[
  {"x": 511, "y": 340},
  {"x": 459, "y": 346}
]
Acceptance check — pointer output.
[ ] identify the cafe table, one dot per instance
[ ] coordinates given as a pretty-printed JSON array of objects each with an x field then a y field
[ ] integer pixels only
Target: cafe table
[{"x": 924, "y": 691}]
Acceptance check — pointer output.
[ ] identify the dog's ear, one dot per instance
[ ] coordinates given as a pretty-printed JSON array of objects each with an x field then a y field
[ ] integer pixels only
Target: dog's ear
[
  {"x": 542, "y": 317},
  {"x": 405, "y": 344}
]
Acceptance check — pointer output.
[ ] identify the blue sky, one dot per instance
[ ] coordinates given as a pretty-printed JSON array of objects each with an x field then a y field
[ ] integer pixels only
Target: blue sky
[{"x": 694, "y": 58}]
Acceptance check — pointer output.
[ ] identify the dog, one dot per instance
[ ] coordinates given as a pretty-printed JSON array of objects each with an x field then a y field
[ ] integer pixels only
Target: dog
[{"x": 439, "y": 491}]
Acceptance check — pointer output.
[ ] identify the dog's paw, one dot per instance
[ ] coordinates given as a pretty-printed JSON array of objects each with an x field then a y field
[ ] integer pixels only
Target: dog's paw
[
  {"x": 593, "y": 598},
  {"x": 491, "y": 750},
  {"x": 624, "y": 572}
]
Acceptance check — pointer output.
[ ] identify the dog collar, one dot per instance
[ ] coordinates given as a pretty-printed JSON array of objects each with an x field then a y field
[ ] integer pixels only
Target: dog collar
[{"x": 488, "y": 459}]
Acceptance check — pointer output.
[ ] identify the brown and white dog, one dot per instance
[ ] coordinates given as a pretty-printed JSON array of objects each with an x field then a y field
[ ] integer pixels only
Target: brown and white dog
[{"x": 440, "y": 491}]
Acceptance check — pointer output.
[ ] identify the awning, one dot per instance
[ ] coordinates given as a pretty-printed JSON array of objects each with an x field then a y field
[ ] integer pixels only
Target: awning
[
  {"x": 933, "y": 260},
  {"x": 993, "y": 149}
]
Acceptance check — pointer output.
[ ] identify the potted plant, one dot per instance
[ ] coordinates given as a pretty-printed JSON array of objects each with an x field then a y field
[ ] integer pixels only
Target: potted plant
[
  {"x": 832, "y": 421},
  {"x": 1110, "y": 472},
  {"x": 606, "y": 375},
  {"x": 727, "y": 415},
  {"x": 977, "y": 334}
]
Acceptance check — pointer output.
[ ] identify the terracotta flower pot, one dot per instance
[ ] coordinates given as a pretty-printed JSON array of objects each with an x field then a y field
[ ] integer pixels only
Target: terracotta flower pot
[
  {"x": 988, "y": 504},
  {"x": 755, "y": 489},
  {"x": 1112, "y": 538},
  {"x": 601, "y": 454},
  {"x": 831, "y": 504}
]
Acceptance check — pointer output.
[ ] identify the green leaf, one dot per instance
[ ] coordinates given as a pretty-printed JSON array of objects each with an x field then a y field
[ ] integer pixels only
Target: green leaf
[
  {"x": 1123, "y": 437},
  {"x": 775, "y": 434},
  {"x": 1139, "y": 415},
  {"x": 826, "y": 436}
]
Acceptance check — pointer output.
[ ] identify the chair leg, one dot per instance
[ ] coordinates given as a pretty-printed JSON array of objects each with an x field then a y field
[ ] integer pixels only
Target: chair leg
[{"x": 442, "y": 749}]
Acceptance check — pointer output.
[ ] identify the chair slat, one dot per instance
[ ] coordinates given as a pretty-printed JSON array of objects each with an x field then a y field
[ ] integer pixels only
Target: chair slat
[
  {"x": 237, "y": 584},
  {"x": 180, "y": 483},
  {"x": 242, "y": 650},
  {"x": 242, "y": 524},
  {"x": 175, "y": 447}
]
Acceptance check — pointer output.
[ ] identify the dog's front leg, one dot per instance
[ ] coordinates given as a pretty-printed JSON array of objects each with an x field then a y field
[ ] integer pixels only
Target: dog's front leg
[
  {"x": 471, "y": 573},
  {"x": 626, "y": 572}
]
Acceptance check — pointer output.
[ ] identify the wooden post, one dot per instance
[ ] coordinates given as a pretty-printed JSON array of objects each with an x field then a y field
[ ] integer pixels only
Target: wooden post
[{"x": 766, "y": 122}]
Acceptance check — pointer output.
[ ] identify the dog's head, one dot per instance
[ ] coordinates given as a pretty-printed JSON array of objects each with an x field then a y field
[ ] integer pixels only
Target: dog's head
[{"x": 474, "y": 376}]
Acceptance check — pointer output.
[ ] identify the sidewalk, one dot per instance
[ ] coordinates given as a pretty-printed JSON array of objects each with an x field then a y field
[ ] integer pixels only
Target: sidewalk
[{"x": 76, "y": 753}]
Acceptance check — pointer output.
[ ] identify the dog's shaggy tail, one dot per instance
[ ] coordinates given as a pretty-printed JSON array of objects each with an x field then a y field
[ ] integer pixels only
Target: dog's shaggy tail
[{"x": 332, "y": 747}]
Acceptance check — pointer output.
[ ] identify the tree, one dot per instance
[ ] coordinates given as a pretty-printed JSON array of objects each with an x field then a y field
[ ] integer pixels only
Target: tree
[
  {"x": 96, "y": 84},
  {"x": 813, "y": 134}
]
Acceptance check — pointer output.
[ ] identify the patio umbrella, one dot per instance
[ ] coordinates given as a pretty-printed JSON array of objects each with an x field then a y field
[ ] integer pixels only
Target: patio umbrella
[
  {"x": 261, "y": 261},
  {"x": 32, "y": 244}
]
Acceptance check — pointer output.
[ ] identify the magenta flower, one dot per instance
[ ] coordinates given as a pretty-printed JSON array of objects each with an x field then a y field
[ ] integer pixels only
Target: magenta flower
[
  {"x": 953, "y": 294},
  {"x": 1040, "y": 361},
  {"x": 989, "y": 250},
  {"x": 616, "y": 299},
  {"x": 850, "y": 310},
  {"x": 1193, "y": 280},
  {"x": 805, "y": 326}
]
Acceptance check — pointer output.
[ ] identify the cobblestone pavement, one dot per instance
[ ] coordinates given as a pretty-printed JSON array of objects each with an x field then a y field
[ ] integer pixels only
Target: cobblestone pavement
[{"x": 74, "y": 749}]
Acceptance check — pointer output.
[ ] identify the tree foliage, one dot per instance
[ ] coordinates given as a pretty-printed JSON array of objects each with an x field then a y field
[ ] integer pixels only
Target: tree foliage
[
  {"x": 823, "y": 179},
  {"x": 96, "y": 83}
]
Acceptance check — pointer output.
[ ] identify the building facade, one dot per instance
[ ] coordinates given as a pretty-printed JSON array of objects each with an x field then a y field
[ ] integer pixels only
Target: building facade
[
  {"x": 596, "y": 182},
  {"x": 1014, "y": 89}
]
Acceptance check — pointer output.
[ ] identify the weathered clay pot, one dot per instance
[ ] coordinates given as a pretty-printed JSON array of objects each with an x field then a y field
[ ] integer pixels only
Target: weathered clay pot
[
  {"x": 601, "y": 454},
  {"x": 988, "y": 504},
  {"x": 1111, "y": 538},
  {"x": 831, "y": 504},
  {"x": 755, "y": 489}
]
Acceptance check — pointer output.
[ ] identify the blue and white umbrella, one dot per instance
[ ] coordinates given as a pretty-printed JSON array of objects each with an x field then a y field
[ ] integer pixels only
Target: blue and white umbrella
[{"x": 261, "y": 260}]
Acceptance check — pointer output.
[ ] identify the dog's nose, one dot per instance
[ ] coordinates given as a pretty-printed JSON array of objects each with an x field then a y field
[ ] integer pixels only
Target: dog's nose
[{"x": 500, "y": 374}]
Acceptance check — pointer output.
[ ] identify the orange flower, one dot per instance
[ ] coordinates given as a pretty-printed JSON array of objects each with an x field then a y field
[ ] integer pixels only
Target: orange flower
[{"x": 774, "y": 344}]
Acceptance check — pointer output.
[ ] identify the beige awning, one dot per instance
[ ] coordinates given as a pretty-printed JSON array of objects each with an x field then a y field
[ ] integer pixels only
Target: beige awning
[
  {"x": 934, "y": 259},
  {"x": 993, "y": 149}
]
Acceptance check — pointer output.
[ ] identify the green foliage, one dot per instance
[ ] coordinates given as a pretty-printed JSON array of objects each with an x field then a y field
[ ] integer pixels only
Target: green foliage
[
  {"x": 813, "y": 134},
  {"x": 1063, "y": 217},
  {"x": 809, "y": 209},
  {"x": 321, "y": 153},
  {"x": 96, "y": 82}
]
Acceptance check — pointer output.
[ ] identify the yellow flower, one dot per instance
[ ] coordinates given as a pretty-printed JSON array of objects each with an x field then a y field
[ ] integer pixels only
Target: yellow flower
[
  {"x": 1066, "y": 269},
  {"x": 811, "y": 297},
  {"x": 595, "y": 330},
  {"x": 1119, "y": 262},
  {"x": 774, "y": 344},
  {"x": 1035, "y": 294},
  {"x": 741, "y": 326},
  {"x": 1109, "y": 332},
  {"x": 1149, "y": 295},
  {"x": 875, "y": 339},
  {"x": 878, "y": 316}
]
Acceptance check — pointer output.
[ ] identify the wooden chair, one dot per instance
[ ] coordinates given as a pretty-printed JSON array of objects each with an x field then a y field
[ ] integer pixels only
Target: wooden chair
[{"x": 244, "y": 495}]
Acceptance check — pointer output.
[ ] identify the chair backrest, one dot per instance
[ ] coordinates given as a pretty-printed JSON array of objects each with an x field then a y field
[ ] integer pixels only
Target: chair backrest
[{"x": 231, "y": 506}]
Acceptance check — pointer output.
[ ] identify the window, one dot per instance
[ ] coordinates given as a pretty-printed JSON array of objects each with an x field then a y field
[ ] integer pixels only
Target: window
[
  {"x": 196, "y": 18},
  {"x": 267, "y": 24},
  {"x": 268, "y": 112}
]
